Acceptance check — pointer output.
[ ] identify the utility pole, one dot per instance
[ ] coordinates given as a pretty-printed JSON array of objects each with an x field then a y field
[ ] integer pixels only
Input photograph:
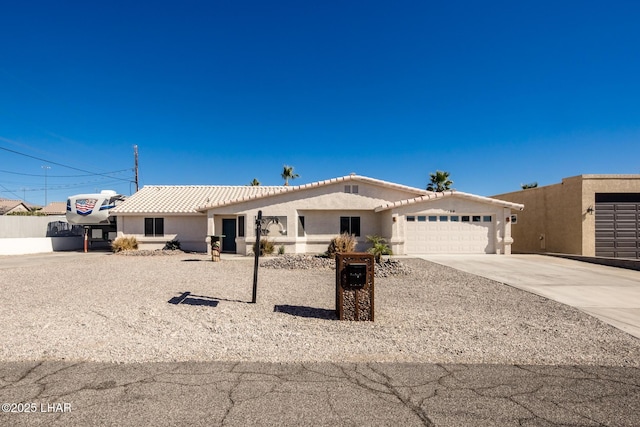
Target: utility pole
[
  {"x": 135, "y": 157},
  {"x": 46, "y": 168}
]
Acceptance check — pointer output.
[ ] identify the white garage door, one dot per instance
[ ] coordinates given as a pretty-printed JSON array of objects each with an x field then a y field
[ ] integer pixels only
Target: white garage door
[{"x": 450, "y": 234}]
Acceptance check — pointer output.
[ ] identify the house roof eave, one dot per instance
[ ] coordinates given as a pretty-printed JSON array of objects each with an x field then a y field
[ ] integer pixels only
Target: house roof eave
[{"x": 449, "y": 193}]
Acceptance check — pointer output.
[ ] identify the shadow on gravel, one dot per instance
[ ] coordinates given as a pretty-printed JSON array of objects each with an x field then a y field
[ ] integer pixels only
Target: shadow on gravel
[
  {"x": 302, "y": 311},
  {"x": 190, "y": 299}
]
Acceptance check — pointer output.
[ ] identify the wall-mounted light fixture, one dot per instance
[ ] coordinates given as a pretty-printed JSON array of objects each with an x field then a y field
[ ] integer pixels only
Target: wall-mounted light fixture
[{"x": 590, "y": 210}]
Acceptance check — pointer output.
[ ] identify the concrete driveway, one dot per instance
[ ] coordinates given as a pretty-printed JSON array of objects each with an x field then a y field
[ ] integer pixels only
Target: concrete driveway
[{"x": 608, "y": 293}]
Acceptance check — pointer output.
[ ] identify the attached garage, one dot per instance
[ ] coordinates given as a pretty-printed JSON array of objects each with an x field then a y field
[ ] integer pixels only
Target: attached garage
[
  {"x": 450, "y": 234},
  {"x": 617, "y": 225},
  {"x": 451, "y": 222}
]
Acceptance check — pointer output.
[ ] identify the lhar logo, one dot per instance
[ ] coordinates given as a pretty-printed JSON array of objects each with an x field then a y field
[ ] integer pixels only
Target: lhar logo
[{"x": 85, "y": 206}]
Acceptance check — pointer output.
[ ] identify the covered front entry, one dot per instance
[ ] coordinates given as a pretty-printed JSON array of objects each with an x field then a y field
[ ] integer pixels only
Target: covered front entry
[
  {"x": 229, "y": 231},
  {"x": 450, "y": 234}
]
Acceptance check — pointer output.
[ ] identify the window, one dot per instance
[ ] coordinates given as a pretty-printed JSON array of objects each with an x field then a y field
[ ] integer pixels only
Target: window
[
  {"x": 241, "y": 226},
  {"x": 476, "y": 218},
  {"x": 444, "y": 218},
  {"x": 350, "y": 224},
  {"x": 301, "y": 226},
  {"x": 486, "y": 218},
  {"x": 411, "y": 218},
  {"x": 154, "y": 226},
  {"x": 465, "y": 218},
  {"x": 433, "y": 218},
  {"x": 351, "y": 189},
  {"x": 455, "y": 218},
  {"x": 422, "y": 218}
]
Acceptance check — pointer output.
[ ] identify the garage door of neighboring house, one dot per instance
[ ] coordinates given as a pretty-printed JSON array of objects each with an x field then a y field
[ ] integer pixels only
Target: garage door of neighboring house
[
  {"x": 449, "y": 234},
  {"x": 618, "y": 225}
]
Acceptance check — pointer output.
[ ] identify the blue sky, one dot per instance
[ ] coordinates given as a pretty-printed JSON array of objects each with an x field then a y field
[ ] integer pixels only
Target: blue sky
[{"x": 497, "y": 93}]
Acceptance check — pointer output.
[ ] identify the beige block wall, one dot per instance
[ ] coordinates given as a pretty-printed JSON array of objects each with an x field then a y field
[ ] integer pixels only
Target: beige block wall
[
  {"x": 555, "y": 217},
  {"x": 551, "y": 220}
]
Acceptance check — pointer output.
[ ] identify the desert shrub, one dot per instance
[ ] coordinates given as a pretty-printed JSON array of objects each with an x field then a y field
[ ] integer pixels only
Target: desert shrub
[
  {"x": 281, "y": 250},
  {"x": 267, "y": 247},
  {"x": 342, "y": 243},
  {"x": 27, "y": 213},
  {"x": 124, "y": 243},
  {"x": 379, "y": 247},
  {"x": 172, "y": 245}
]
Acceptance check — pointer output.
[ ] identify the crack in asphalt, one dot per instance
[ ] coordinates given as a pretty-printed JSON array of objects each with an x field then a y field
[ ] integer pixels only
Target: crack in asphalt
[{"x": 233, "y": 394}]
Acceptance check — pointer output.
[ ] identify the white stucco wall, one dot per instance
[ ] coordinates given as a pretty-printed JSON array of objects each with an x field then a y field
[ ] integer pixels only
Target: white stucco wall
[
  {"x": 322, "y": 208},
  {"x": 190, "y": 230},
  {"x": 35, "y": 245},
  {"x": 501, "y": 237}
]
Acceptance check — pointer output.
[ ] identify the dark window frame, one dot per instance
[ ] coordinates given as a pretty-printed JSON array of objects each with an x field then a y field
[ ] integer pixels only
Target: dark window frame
[
  {"x": 241, "y": 226},
  {"x": 350, "y": 224},
  {"x": 154, "y": 227}
]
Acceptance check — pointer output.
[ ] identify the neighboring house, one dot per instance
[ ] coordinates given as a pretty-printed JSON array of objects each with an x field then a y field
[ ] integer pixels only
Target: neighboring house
[
  {"x": 589, "y": 215},
  {"x": 55, "y": 208},
  {"x": 310, "y": 215},
  {"x": 12, "y": 206}
]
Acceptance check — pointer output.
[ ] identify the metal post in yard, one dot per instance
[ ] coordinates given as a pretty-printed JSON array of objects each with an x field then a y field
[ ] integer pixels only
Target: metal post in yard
[{"x": 256, "y": 256}]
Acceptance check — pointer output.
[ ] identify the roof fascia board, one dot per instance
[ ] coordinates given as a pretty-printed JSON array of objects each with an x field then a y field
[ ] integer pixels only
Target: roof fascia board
[{"x": 450, "y": 193}]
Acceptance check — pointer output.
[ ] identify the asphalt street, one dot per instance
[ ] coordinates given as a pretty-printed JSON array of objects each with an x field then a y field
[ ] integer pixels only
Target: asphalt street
[{"x": 59, "y": 393}]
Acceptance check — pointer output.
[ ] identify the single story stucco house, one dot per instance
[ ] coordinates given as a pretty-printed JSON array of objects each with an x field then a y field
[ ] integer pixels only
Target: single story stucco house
[{"x": 411, "y": 219}]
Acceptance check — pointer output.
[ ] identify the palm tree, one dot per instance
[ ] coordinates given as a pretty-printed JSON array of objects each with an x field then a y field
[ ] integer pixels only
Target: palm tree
[
  {"x": 254, "y": 183},
  {"x": 439, "y": 182},
  {"x": 287, "y": 174}
]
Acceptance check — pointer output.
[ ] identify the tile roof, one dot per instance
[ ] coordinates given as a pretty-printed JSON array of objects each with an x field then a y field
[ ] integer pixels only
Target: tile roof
[
  {"x": 434, "y": 196},
  {"x": 289, "y": 189},
  {"x": 7, "y": 205},
  {"x": 55, "y": 208},
  {"x": 198, "y": 198},
  {"x": 184, "y": 199}
]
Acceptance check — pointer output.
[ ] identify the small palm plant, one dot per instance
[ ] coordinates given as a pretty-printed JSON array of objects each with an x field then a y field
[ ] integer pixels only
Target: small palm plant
[
  {"x": 379, "y": 247},
  {"x": 254, "y": 183}
]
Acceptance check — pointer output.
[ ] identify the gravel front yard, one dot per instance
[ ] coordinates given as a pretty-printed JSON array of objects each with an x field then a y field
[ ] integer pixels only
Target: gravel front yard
[{"x": 112, "y": 308}]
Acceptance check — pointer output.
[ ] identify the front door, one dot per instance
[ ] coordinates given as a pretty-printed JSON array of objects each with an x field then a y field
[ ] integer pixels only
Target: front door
[{"x": 229, "y": 231}]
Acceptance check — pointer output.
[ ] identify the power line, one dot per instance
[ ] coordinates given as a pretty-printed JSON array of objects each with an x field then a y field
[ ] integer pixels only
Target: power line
[
  {"x": 65, "y": 186},
  {"x": 62, "y": 176},
  {"x": 60, "y": 164}
]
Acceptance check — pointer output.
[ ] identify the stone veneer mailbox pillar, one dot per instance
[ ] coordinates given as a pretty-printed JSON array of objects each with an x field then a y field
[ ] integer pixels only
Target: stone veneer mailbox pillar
[{"x": 354, "y": 286}]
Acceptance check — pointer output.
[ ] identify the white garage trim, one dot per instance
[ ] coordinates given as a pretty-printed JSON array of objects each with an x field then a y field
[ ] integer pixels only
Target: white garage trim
[{"x": 450, "y": 233}]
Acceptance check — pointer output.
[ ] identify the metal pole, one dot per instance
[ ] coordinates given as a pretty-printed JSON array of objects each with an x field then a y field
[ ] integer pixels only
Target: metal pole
[
  {"x": 135, "y": 155},
  {"x": 46, "y": 168},
  {"x": 256, "y": 256}
]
